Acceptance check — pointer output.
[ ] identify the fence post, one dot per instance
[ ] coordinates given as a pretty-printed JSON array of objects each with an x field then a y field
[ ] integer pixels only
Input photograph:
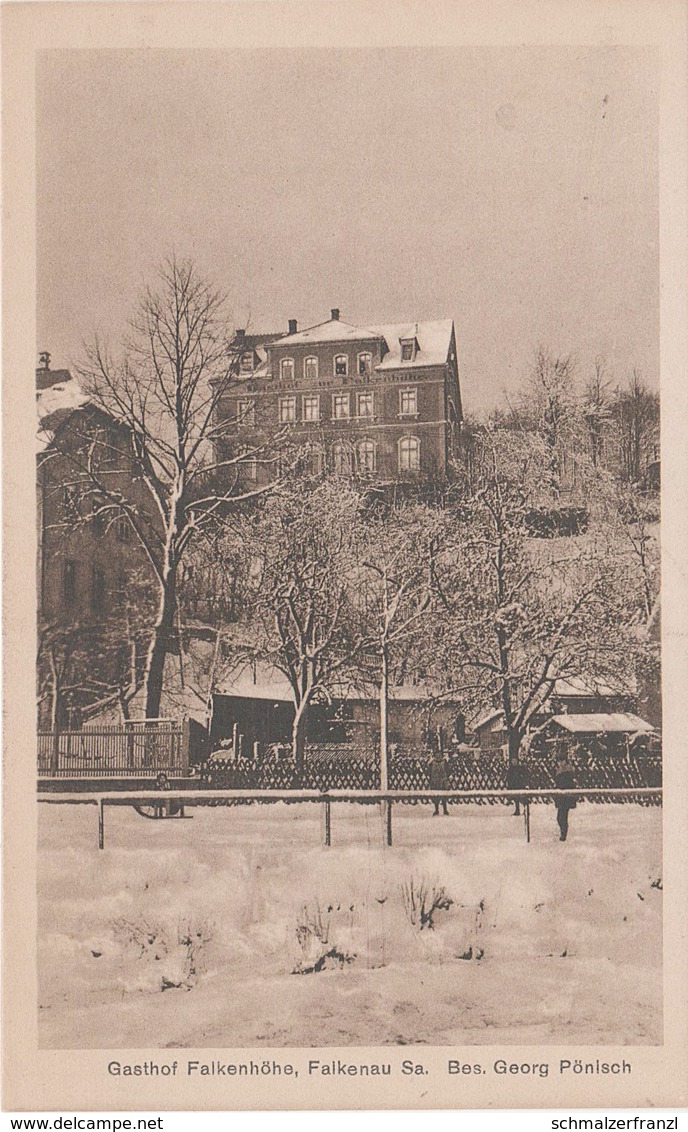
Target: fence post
[
  {"x": 55, "y": 753},
  {"x": 388, "y": 821},
  {"x": 186, "y": 744},
  {"x": 526, "y": 814},
  {"x": 256, "y": 751},
  {"x": 101, "y": 824},
  {"x": 328, "y": 823},
  {"x": 235, "y": 741}
]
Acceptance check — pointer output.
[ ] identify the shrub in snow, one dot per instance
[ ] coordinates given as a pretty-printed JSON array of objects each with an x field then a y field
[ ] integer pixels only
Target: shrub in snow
[
  {"x": 422, "y": 900},
  {"x": 314, "y": 932},
  {"x": 172, "y": 955}
]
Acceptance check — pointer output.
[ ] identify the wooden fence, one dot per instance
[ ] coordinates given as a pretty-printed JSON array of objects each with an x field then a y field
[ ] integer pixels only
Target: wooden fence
[{"x": 140, "y": 749}]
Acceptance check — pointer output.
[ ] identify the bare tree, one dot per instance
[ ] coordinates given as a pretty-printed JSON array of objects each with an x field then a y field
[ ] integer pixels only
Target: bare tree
[
  {"x": 299, "y": 566},
  {"x": 636, "y": 415},
  {"x": 596, "y": 407},
  {"x": 395, "y": 596},
  {"x": 522, "y": 612},
  {"x": 549, "y": 403},
  {"x": 165, "y": 393}
]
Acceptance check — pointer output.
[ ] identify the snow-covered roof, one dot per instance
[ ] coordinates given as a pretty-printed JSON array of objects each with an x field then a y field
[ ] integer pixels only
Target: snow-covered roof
[
  {"x": 492, "y": 717},
  {"x": 265, "y": 683},
  {"x": 334, "y": 330},
  {"x": 434, "y": 340},
  {"x": 618, "y": 721},
  {"x": 54, "y": 404}
]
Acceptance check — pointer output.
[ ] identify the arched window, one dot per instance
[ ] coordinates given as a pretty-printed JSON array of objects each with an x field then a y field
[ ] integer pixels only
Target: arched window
[
  {"x": 287, "y": 369},
  {"x": 366, "y": 456},
  {"x": 409, "y": 454},
  {"x": 310, "y": 369},
  {"x": 341, "y": 365},
  {"x": 341, "y": 458},
  {"x": 365, "y": 364}
]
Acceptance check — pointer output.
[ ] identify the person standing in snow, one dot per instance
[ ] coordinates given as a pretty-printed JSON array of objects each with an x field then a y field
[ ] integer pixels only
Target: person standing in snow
[
  {"x": 564, "y": 780},
  {"x": 438, "y": 781},
  {"x": 516, "y": 780}
]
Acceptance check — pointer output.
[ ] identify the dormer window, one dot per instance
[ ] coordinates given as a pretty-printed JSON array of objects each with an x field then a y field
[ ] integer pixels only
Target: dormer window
[
  {"x": 246, "y": 362},
  {"x": 409, "y": 349},
  {"x": 287, "y": 369},
  {"x": 341, "y": 365}
]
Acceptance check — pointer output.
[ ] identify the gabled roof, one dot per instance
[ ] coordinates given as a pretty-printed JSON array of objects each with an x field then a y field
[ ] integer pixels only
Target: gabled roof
[{"x": 334, "y": 330}]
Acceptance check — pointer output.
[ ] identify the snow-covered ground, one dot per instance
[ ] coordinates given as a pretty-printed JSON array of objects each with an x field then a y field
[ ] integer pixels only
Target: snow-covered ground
[{"x": 205, "y": 932}]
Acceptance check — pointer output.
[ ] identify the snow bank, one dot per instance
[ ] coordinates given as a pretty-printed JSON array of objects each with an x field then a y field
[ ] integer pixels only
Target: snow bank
[{"x": 240, "y": 928}]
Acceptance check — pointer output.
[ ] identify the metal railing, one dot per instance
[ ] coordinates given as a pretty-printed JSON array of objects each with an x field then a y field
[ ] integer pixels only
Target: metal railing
[{"x": 176, "y": 800}]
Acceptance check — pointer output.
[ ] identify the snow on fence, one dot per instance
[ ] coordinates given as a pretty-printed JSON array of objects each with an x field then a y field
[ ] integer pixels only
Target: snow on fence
[
  {"x": 359, "y": 769},
  {"x": 171, "y": 804},
  {"x": 140, "y": 749}
]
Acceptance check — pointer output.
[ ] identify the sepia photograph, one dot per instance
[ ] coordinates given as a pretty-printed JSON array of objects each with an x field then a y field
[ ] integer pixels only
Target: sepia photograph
[
  {"x": 348, "y": 665},
  {"x": 344, "y": 540}
]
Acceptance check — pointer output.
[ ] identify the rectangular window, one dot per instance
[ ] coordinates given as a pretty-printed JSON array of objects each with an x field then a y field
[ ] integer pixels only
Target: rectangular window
[
  {"x": 365, "y": 405},
  {"x": 340, "y": 406},
  {"x": 409, "y": 454},
  {"x": 310, "y": 369},
  {"x": 287, "y": 410},
  {"x": 408, "y": 402},
  {"x": 341, "y": 365},
  {"x": 97, "y": 590},
  {"x": 246, "y": 363},
  {"x": 366, "y": 456},
  {"x": 69, "y": 582},
  {"x": 109, "y": 449},
  {"x": 311, "y": 408},
  {"x": 246, "y": 413}
]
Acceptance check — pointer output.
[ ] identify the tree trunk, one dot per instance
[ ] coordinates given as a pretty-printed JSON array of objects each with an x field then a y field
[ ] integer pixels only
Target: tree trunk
[
  {"x": 384, "y": 697},
  {"x": 163, "y": 637},
  {"x": 298, "y": 740},
  {"x": 514, "y": 745}
]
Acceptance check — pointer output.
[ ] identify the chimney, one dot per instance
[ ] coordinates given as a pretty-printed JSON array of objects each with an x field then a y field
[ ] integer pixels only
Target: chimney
[
  {"x": 44, "y": 359},
  {"x": 334, "y": 314},
  {"x": 240, "y": 335},
  {"x": 292, "y": 326}
]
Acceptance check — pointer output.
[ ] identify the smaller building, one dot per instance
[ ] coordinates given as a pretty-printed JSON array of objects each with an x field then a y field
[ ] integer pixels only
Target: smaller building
[
  {"x": 576, "y": 695},
  {"x": 260, "y": 704},
  {"x": 606, "y": 733}
]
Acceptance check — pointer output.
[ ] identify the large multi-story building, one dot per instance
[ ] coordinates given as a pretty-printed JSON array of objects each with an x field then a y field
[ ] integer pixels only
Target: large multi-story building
[
  {"x": 89, "y": 562},
  {"x": 382, "y": 402}
]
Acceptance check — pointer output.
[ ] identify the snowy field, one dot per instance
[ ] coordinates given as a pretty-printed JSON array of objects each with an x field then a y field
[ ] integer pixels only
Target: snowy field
[{"x": 239, "y": 928}]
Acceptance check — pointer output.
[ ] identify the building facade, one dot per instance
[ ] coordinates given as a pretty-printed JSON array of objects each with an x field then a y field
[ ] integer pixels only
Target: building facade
[
  {"x": 378, "y": 402},
  {"x": 89, "y": 561}
]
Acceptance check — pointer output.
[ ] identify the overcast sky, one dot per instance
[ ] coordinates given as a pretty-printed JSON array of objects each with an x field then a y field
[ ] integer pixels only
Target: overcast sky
[{"x": 513, "y": 190}]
